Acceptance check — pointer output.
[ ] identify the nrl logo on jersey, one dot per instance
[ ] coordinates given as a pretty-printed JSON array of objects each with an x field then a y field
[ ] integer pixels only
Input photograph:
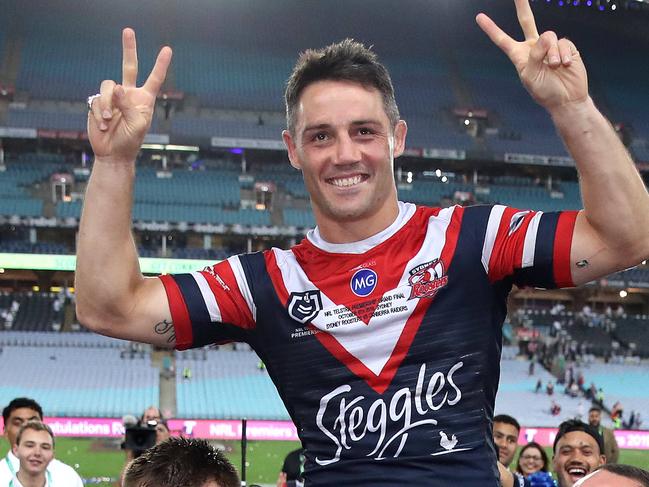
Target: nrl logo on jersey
[
  {"x": 426, "y": 279},
  {"x": 304, "y": 306}
]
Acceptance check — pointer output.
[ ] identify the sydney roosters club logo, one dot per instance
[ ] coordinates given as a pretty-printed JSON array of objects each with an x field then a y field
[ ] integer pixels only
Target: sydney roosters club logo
[{"x": 426, "y": 279}]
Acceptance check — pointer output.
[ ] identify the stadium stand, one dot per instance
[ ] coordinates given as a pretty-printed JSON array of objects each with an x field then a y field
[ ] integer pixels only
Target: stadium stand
[
  {"x": 227, "y": 384},
  {"x": 90, "y": 381},
  {"x": 516, "y": 396}
]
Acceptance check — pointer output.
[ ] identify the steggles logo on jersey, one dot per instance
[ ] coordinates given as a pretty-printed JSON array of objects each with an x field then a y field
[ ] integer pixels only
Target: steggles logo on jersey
[
  {"x": 346, "y": 419},
  {"x": 363, "y": 282},
  {"x": 426, "y": 279},
  {"x": 304, "y": 306}
]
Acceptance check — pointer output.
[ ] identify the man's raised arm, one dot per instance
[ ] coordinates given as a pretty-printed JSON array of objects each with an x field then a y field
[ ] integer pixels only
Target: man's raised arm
[
  {"x": 113, "y": 298},
  {"x": 612, "y": 231}
]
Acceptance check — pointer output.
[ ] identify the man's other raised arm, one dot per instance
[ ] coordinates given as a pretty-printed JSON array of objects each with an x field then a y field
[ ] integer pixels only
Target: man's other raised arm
[
  {"x": 612, "y": 231},
  {"x": 113, "y": 297}
]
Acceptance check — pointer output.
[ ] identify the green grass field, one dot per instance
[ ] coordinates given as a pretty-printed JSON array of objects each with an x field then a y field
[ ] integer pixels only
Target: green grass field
[{"x": 95, "y": 458}]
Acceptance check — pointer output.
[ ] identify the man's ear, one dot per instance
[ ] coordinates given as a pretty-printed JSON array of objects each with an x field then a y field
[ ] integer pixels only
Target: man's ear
[
  {"x": 290, "y": 147},
  {"x": 14, "y": 449},
  {"x": 400, "y": 131}
]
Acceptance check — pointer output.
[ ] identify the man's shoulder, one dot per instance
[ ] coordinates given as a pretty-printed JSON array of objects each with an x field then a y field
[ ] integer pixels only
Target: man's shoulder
[{"x": 5, "y": 472}]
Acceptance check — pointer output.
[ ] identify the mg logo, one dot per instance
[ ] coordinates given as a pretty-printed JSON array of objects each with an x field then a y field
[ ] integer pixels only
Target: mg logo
[{"x": 363, "y": 282}]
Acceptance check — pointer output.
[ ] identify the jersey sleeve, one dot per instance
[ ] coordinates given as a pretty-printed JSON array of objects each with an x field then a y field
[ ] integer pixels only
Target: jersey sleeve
[
  {"x": 530, "y": 247},
  {"x": 214, "y": 305}
]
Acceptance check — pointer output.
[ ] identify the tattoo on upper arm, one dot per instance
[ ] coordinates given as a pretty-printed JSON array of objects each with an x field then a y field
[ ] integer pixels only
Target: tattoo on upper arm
[{"x": 165, "y": 327}]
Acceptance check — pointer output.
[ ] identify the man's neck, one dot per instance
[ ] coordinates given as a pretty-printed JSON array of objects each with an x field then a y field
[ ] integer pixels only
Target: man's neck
[{"x": 28, "y": 480}]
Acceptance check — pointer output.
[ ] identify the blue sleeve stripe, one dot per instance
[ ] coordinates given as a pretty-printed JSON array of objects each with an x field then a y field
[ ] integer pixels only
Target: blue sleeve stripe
[{"x": 541, "y": 274}]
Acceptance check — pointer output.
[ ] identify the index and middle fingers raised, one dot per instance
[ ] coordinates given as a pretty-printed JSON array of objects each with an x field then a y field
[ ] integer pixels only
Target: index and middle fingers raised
[
  {"x": 502, "y": 39},
  {"x": 130, "y": 64}
]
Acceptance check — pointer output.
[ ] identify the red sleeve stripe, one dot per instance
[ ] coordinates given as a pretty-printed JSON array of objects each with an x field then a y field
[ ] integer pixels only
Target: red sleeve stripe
[
  {"x": 179, "y": 313},
  {"x": 225, "y": 287},
  {"x": 502, "y": 258},
  {"x": 239, "y": 277},
  {"x": 562, "y": 247}
]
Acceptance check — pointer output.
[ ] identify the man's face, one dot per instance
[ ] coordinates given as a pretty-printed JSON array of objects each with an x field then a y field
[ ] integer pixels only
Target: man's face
[
  {"x": 594, "y": 418},
  {"x": 345, "y": 146},
  {"x": 576, "y": 455},
  {"x": 35, "y": 451},
  {"x": 16, "y": 419},
  {"x": 506, "y": 438},
  {"x": 602, "y": 478},
  {"x": 151, "y": 414}
]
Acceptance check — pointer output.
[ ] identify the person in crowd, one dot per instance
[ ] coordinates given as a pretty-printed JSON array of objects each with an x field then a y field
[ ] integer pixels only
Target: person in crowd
[
  {"x": 186, "y": 462},
  {"x": 353, "y": 313},
  {"x": 34, "y": 449},
  {"x": 532, "y": 459},
  {"x": 152, "y": 413},
  {"x": 578, "y": 450},
  {"x": 19, "y": 411},
  {"x": 611, "y": 448}
]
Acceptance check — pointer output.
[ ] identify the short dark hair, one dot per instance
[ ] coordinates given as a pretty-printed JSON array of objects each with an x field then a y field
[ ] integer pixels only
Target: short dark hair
[
  {"x": 628, "y": 471},
  {"x": 346, "y": 60},
  {"x": 21, "y": 402},
  {"x": 544, "y": 456},
  {"x": 507, "y": 419},
  {"x": 36, "y": 426},
  {"x": 595, "y": 408},
  {"x": 576, "y": 425},
  {"x": 188, "y": 462}
]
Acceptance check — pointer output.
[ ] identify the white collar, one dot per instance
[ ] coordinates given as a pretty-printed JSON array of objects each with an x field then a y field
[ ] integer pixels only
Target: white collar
[{"x": 406, "y": 210}]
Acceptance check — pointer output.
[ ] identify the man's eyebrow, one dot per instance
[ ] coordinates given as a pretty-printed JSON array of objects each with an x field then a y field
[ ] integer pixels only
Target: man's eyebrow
[
  {"x": 319, "y": 126},
  {"x": 366, "y": 122}
]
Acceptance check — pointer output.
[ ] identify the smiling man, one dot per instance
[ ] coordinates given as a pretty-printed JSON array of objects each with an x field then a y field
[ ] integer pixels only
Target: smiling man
[
  {"x": 578, "y": 451},
  {"x": 382, "y": 328},
  {"x": 18, "y": 412},
  {"x": 34, "y": 449}
]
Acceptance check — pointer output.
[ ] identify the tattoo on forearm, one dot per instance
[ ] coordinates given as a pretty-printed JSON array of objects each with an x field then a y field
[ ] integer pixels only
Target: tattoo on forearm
[{"x": 165, "y": 327}]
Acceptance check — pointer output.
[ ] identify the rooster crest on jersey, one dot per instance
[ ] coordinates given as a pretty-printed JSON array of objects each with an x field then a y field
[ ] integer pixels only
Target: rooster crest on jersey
[
  {"x": 426, "y": 279},
  {"x": 305, "y": 306}
]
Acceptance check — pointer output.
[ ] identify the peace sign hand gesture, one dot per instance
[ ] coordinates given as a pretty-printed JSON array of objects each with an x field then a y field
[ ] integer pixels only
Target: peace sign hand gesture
[
  {"x": 551, "y": 70},
  {"x": 121, "y": 116}
]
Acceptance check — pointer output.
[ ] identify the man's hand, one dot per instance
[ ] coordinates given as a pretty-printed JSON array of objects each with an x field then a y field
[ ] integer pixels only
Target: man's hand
[
  {"x": 121, "y": 117},
  {"x": 551, "y": 69},
  {"x": 506, "y": 477}
]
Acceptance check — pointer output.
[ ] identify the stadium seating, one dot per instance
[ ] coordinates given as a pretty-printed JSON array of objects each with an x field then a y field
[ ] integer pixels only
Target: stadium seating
[
  {"x": 633, "y": 330},
  {"x": 516, "y": 396},
  {"x": 226, "y": 384},
  {"x": 89, "y": 381},
  {"x": 626, "y": 383},
  {"x": 35, "y": 313},
  {"x": 56, "y": 66},
  {"x": 299, "y": 218}
]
